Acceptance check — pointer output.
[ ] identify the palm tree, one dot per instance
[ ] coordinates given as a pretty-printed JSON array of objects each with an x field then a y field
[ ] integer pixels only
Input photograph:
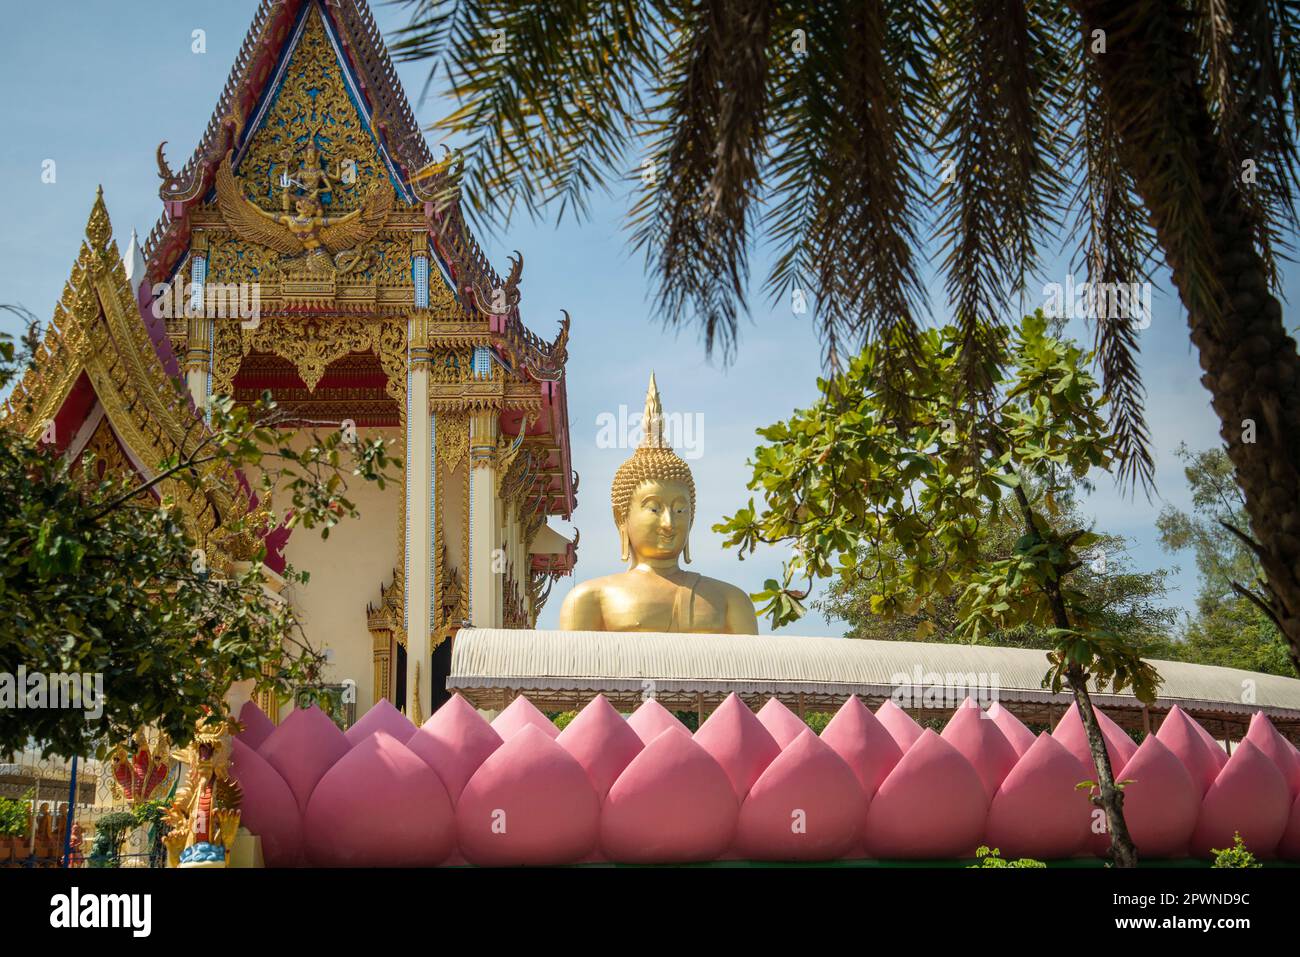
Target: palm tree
[{"x": 1150, "y": 129}]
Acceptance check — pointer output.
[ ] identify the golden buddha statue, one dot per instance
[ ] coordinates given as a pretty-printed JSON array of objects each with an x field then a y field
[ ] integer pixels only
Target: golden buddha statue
[{"x": 653, "y": 497}]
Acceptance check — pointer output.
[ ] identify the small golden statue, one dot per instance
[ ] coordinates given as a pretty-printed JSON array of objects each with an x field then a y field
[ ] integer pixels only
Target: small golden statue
[
  {"x": 653, "y": 498},
  {"x": 204, "y": 817},
  {"x": 311, "y": 176}
]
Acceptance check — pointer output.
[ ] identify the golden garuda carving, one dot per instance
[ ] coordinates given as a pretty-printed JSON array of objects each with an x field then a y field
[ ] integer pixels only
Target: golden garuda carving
[{"x": 324, "y": 243}]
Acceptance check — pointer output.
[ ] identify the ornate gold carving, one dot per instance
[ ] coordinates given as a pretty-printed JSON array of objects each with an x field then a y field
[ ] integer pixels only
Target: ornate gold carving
[
  {"x": 385, "y": 624},
  {"x": 452, "y": 367},
  {"x": 311, "y": 345},
  {"x": 97, "y": 329},
  {"x": 453, "y": 439},
  {"x": 503, "y": 299},
  {"x": 110, "y": 461},
  {"x": 313, "y": 106},
  {"x": 482, "y": 440},
  {"x": 382, "y": 649}
]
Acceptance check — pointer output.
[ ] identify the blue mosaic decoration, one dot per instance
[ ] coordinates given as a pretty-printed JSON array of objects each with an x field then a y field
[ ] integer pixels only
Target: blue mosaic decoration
[
  {"x": 198, "y": 276},
  {"x": 420, "y": 276},
  {"x": 482, "y": 362}
]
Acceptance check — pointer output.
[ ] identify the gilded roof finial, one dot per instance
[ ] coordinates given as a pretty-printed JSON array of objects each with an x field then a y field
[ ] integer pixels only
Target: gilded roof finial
[
  {"x": 652, "y": 419},
  {"x": 98, "y": 228}
]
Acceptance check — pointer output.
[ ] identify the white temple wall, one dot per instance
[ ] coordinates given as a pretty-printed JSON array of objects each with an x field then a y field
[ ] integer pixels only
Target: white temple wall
[{"x": 347, "y": 570}]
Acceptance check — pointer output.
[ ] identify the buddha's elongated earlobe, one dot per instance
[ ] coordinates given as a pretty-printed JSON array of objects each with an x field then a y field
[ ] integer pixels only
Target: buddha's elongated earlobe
[
  {"x": 686, "y": 551},
  {"x": 624, "y": 543}
]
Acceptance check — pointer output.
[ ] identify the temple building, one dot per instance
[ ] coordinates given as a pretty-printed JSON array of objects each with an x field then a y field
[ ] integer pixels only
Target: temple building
[{"x": 302, "y": 250}]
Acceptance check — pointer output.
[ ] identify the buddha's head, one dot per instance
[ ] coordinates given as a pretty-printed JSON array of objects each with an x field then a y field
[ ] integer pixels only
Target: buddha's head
[{"x": 653, "y": 495}]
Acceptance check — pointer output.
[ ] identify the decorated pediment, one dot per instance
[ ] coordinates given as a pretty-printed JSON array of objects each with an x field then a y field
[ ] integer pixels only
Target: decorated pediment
[
  {"x": 308, "y": 206},
  {"x": 310, "y": 138}
]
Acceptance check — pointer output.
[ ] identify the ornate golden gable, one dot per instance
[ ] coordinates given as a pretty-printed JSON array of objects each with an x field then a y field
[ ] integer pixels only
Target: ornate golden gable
[
  {"x": 312, "y": 104},
  {"x": 97, "y": 329}
]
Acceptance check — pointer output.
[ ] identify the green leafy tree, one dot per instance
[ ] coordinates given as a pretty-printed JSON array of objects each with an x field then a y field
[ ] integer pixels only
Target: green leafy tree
[
  {"x": 855, "y": 135},
  {"x": 1235, "y": 623},
  {"x": 902, "y": 502},
  {"x": 1127, "y": 602},
  {"x": 97, "y": 577}
]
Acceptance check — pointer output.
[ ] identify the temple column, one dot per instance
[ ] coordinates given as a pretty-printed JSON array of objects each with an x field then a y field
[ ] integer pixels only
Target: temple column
[
  {"x": 198, "y": 348},
  {"x": 198, "y": 359},
  {"x": 419, "y": 522},
  {"x": 487, "y": 561}
]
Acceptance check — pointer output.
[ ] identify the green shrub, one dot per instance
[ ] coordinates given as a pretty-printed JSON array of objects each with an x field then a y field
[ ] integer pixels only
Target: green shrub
[
  {"x": 817, "y": 720},
  {"x": 992, "y": 857},
  {"x": 1235, "y": 856},
  {"x": 562, "y": 719},
  {"x": 13, "y": 817}
]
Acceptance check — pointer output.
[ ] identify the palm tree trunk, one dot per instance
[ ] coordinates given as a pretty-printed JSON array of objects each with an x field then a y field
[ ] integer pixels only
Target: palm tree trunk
[{"x": 1151, "y": 89}]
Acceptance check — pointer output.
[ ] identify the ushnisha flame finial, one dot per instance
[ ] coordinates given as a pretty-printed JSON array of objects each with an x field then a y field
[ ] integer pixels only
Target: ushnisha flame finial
[{"x": 652, "y": 419}]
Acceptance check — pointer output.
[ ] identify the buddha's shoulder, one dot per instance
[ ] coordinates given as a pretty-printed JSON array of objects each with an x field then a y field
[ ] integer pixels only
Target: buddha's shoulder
[
  {"x": 595, "y": 587},
  {"x": 721, "y": 589}
]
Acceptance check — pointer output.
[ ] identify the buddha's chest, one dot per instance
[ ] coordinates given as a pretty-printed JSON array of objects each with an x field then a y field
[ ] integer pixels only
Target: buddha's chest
[{"x": 662, "y": 605}]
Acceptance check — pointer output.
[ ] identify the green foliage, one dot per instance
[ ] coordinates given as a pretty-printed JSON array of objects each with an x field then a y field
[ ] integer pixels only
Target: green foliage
[
  {"x": 13, "y": 817},
  {"x": 562, "y": 719},
  {"x": 1235, "y": 856},
  {"x": 99, "y": 578},
  {"x": 150, "y": 813},
  {"x": 817, "y": 720},
  {"x": 1127, "y": 601},
  {"x": 861, "y": 139},
  {"x": 991, "y": 857},
  {"x": 1232, "y": 626},
  {"x": 900, "y": 504},
  {"x": 689, "y": 718},
  {"x": 111, "y": 831}
]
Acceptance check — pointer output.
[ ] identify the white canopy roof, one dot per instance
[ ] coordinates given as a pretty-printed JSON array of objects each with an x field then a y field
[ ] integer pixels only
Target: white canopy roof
[{"x": 569, "y": 668}]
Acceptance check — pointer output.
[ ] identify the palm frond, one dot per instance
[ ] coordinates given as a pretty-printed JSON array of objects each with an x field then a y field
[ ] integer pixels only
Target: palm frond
[
  {"x": 695, "y": 219},
  {"x": 1000, "y": 149},
  {"x": 1115, "y": 247},
  {"x": 849, "y": 122}
]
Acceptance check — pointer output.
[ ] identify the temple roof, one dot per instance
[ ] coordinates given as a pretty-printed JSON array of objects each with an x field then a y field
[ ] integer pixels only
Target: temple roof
[
  {"x": 105, "y": 362},
  {"x": 425, "y": 191},
  {"x": 391, "y": 123}
]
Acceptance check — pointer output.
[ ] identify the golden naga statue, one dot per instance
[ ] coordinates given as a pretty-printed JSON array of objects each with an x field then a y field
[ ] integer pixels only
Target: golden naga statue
[
  {"x": 308, "y": 232},
  {"x": 204, "y": 817},
  {"x": 654, "y": 505}
]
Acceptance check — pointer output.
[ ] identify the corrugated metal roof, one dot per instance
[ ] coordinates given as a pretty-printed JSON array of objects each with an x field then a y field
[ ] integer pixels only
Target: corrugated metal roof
[{"x": 523, "y": 660}]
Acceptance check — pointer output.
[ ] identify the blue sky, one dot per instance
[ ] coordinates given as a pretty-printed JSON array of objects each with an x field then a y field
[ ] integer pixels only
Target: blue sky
[{"x": 95, "y": 86}]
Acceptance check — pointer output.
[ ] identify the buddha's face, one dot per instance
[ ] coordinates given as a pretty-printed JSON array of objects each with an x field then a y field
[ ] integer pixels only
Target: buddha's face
[{"x": 659, "y": 519}]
